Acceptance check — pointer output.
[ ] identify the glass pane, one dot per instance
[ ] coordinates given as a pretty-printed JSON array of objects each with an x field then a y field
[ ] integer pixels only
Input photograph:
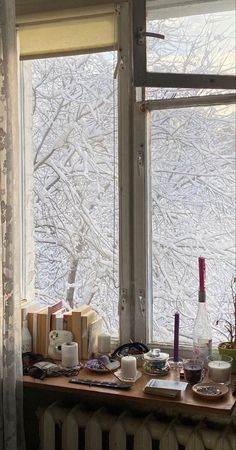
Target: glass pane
[
  {"x": 75, "y": 182},
  {"x": 193, "y": 195},
  {"x": 198, "y": 43}
]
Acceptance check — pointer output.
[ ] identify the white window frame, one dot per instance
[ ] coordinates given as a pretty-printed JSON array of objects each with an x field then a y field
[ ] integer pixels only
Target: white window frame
[
  {"x": 125, "y": 151},
  {"x": 142, "y": 109},
  {"x": 125, "y": 105},
  {"x": 135, "y": 307}
]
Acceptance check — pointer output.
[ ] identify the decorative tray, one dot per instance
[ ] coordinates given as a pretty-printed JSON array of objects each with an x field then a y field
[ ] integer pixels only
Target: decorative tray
[
  {"x": 210, "y": 390},
  {"x": 130, "y": 380}
]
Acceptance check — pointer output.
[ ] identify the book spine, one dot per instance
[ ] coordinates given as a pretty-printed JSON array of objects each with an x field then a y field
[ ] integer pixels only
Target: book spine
[
  {"x": 34, "y": 332},
  {"x": 76, "y": 326},
  {"x": 59, "y": 323},
  {"x": 86, "y": 320},
  {"x": 67, "y": 321}
]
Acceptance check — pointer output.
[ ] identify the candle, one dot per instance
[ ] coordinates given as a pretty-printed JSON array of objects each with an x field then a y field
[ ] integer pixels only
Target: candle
[
  {"x": 219, "y": 371},
  {"x": 69, "y": 354},
  {"x": 104, "y": 343},
  {"x": 201, "y": 265},
  {"x": 193, "y": 371},
  {"x": 128, "y": 367},
  {"x": 176, "y": 337}
]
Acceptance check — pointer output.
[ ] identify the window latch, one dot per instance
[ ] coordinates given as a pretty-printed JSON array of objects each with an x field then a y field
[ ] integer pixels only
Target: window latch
[
  {"x": 141, "y": 35},
  {"x": 141, "y": 298},
  {"x": 119, "y": 66},
  {"x": 123, "y": 300},
  {"x": 140, "y": 161}
]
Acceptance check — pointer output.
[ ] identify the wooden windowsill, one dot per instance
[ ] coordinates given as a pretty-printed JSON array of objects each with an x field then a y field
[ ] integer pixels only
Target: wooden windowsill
[{"x": 135, "y": 396}]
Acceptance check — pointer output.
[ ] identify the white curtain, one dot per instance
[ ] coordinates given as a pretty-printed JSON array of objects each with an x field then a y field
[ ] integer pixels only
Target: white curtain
[{"x": 11, "y": 411}]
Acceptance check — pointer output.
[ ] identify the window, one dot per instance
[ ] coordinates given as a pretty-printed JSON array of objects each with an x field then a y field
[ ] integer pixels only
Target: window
[
  {"x": 178, "y": 56},
  {"x": 75, "y": 181},
  {"x": 132, "y": 184},
  {"x": 195, "y": 41},
  {"x": 71, "y": 164},
  {"x": 185, "y": 141},
  {"x": 192, "y": 165}
]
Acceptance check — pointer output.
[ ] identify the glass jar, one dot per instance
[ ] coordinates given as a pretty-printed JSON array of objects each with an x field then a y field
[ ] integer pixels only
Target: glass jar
[{"x": 155, "y": 362}]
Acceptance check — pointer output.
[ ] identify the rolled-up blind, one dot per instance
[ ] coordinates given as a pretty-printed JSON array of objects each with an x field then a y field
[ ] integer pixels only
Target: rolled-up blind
[{"x": 67, "y": 32}]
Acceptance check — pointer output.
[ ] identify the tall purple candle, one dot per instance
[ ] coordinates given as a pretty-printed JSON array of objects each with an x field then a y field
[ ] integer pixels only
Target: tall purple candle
[{"x": 176, "y": 337}]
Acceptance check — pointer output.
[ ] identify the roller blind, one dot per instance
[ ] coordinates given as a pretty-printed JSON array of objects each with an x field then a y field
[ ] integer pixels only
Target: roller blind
[{"x": 67, "y": 32}]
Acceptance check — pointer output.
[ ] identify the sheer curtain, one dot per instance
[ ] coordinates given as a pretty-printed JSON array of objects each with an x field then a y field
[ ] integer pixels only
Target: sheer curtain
[{"x": 11, "y": 427}]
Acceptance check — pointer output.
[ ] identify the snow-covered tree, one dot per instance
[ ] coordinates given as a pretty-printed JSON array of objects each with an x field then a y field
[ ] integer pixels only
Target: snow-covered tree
[{"x": 75, "y": 180}]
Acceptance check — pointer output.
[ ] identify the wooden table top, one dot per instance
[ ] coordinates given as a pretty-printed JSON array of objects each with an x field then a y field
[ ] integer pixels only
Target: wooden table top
[{"x": 189, "y": 401}]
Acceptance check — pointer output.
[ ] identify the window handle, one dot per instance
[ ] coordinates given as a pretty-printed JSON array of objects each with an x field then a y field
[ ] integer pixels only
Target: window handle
[
  {"x": 141, "y": 298},
  {"x": 140, "y": 161},
  {"x": 141, "y": 34},
  {"x": 119, "y": 66}
]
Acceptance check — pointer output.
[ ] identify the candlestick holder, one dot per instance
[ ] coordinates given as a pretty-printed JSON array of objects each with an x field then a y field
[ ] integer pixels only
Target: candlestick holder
[{"x": 176, "y": 367}]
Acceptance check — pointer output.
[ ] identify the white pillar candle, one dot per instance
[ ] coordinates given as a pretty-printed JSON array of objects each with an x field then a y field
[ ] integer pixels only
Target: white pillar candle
[
  {"x": 219, "y": 371},
  {"x": 128, "y": 367},
  {"x": 69, "y": 354},
  {"x": 104, "y": 343}
]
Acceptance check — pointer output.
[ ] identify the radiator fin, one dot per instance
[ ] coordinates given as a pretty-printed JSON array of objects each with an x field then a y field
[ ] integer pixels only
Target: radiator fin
[
  {"x": 76, "y": 418},
  {"x": 169, "y": 439},
  {"x": 118, "y": 434},
  {"x": 143, "y": 438}
]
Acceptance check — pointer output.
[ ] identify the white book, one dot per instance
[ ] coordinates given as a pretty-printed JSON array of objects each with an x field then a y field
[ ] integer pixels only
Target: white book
[
  {"x": 94, "y": 329},
  {"x": 167, "y": 388},
  {"x": 59, "y": 322}
]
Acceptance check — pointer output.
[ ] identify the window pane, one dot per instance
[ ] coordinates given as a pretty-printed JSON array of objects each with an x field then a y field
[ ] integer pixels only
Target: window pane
[
  {"x": 199, "y": 43},
  {"x": 193, "y": 195},
  {"x": 75, "y": 182}
]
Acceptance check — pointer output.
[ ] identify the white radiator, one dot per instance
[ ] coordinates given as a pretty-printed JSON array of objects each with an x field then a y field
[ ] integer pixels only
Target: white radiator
[{"x": 79, "y": 428}]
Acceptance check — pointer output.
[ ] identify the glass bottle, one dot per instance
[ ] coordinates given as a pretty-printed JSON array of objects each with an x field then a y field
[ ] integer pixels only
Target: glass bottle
[{"x": 26, "y": 338}]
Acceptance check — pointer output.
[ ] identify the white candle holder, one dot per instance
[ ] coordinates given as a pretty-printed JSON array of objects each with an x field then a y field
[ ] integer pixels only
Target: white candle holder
[{"x": 219, "y": 368}]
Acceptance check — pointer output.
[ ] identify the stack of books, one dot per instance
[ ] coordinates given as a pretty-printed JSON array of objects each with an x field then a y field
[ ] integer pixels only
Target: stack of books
[
  {"x": 83, "y": 322},
  {"x": 39, "y": 320},
  {"x": 82, "y": 317}
]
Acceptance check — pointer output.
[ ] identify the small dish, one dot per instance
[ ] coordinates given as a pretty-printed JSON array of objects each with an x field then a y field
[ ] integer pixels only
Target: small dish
[
  {"x": 210, "y": 390},
  {"x": 118, "y": 373},
  {"x": 94, "y": 366}
]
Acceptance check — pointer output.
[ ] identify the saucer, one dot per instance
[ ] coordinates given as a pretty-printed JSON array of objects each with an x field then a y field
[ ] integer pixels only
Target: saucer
[
  {"x": 210, "y": 390},
  {"x": 118, "y": 373}
]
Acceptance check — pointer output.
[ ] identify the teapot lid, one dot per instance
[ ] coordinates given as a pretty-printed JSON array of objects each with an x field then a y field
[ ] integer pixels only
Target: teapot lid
[{"x": 155, "y": 354}]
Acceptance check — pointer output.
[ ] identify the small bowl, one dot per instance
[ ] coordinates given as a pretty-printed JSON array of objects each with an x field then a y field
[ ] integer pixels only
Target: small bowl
[
  {"x": 156, "y": 362},
  {"x": 136, "y": 349}
]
